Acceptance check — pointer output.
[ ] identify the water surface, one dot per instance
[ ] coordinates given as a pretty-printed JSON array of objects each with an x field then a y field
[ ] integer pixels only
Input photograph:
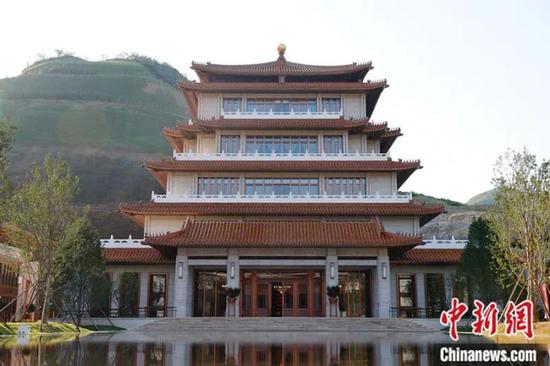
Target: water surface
[{"x": 243, "y": 348}]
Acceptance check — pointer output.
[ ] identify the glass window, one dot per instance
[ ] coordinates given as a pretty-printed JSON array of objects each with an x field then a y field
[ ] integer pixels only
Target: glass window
[
  {"x": 232, "y": 104},
  {"x": 281, "y": 186},
  {"x": 409, "y": 356},
  {"x": 210, "y": 299},
  {"x": 407, "y": 295},
  {"x": 302, "y": 296},
  {"x": 157, "y": 296},
  {"x": 346, "y": 185},
  {"x": 218, "y": 185},
  {"x": 281, "y": 106},
  {"x": 281, "y": 144},
  {"x": 353, "y": 293},
  {"x": 333, "y": 144},
  {"x": 435, "y": 294},
  {"x": 331, "y": 105},
  {"x": 230, "y": 144},
  {"x": 128, "y": 294}
]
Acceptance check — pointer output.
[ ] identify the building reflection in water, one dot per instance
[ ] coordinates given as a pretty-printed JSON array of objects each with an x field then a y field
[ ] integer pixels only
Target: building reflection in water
[{"x": 89, "y": 353}]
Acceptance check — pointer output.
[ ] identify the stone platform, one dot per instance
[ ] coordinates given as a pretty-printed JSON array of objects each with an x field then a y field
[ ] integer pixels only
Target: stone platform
[{"x": 337, "y": 325}]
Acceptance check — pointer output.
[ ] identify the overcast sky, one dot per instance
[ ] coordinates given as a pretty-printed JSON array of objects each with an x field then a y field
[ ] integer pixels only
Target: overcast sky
[{"x": 468, "y": 79}]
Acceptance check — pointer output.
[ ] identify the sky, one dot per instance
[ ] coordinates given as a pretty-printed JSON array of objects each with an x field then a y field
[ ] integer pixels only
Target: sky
[{"x": 468, "y": 79}]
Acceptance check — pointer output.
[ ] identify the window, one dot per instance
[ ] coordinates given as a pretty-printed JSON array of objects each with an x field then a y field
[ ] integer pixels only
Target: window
[
  {"x": 232, "y": 105},
  {"x": 354, "y": 293},
  {"x": 128, "y": 294},
  {"x": 332, "y": 105},
  {"x": 281, "y": 106},
  {"x": 409, "y": 356},
  {"x": 346, "y": 185},
  {"x": 281, "y": 186},
  {"x": 157, "y": 296},
  {"x": 210, "y": 297},
  {"x": 407, "y": 295},
  {"x": 218, "y": 185},
  {"x": 302, "y": 295},
  {"x": 230, "y": 144},
  {"x": 333, "y": 144},
  {"x": 281, "y": 144},
  {"x": 435, "y": 294}
]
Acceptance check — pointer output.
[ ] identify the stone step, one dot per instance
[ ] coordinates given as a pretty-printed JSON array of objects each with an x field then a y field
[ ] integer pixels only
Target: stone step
[{"x": 284, "y": 324}]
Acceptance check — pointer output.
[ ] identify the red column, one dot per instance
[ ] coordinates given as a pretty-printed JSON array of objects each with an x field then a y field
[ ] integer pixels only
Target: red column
[
  {"x": 254, "y": 293},
  {"x": 310, "y": 293}
]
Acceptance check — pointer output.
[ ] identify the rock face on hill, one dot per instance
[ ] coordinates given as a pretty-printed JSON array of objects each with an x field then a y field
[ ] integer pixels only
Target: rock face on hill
[
  {"x": 103, "y": 117},
  {"x": 454, "y": 222}
]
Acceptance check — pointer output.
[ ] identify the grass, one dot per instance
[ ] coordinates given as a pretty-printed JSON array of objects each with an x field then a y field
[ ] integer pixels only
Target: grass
[
  {"x": 34, "y": 328},
  {"x": 102, "y": 328}
]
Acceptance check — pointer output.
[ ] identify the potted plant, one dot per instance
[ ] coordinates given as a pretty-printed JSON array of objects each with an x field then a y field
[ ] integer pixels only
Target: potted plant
[{"x": 232, "y": 293}]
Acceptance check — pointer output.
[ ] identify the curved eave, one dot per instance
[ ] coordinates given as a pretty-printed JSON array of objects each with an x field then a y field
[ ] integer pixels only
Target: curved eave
[
  {"x": 160, "y": 168},
  {"x": 210, "y": 72},
  {"x": 432, "y": 257},
  {"x": 301, "y": 87},
  {"x": 372, "y": 89},
  {"x": 283, "y": 234},
  {"x": 388, "y": 138},
  {"x": 125, "y": 256},
  {"x": 282, "y": 124},
  {"x": 138, "y": 210}
]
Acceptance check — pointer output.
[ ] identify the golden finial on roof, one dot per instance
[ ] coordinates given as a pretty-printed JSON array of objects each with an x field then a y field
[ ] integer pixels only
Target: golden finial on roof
[{"x": 281, "y": 48}]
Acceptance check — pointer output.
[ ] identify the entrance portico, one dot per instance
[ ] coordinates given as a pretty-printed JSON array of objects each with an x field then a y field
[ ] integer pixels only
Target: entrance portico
[{"x": 279, "y": 283}]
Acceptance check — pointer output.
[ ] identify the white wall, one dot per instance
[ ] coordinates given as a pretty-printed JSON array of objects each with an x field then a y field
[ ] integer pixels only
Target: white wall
[
  {"x": 209, "y": 106},
  {"x": 354, "y": 106},
  {"x": 163, "y": 224},
  {"x": 400, "y": 224},
  {"x": 381, "y": 183},
  {"x": 373, "y": 145},
  {"x": 182, "y": 183}
]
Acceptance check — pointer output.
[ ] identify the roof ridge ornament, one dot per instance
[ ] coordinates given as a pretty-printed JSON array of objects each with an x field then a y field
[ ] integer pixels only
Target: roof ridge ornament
[{"x": 281, "y": 48}]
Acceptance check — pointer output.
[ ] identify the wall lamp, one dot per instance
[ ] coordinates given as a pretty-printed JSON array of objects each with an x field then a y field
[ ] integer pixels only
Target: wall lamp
[
  {"x": 384, "y": 270},
  {"x": 232, "y": 270},
  {"x": 332, "y": 270},
  {"x": 180, "y": 269}
]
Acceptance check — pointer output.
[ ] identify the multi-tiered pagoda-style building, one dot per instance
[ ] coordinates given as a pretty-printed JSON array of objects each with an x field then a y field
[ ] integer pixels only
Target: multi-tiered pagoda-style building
[{"x": 281, "y": 186}]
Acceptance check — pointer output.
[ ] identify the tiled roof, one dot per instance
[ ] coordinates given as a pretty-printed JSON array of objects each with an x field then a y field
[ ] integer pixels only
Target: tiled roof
[
  {"x": 282, "y": 165},
  {"x": 135, "y": 256},
  {"x": 289, "y": 234},
  {"x": 427, "y": 212},
  {"x": 280, "y": 67},
  {"x": 297, "y": 87},
  {"x": 280, "y": 124},
  {"x": 429, "y": 256}
]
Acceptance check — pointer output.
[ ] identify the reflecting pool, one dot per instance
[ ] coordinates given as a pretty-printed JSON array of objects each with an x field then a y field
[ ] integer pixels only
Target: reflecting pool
[{"x": 246, "y": 348}]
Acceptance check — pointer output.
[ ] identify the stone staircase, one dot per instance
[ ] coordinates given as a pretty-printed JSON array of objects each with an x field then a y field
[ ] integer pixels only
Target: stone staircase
[{"x": 345, "y": 325}]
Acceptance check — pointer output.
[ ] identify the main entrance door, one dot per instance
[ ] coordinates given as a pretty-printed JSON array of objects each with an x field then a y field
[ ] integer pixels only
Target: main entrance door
[{"x": 282, "y": 293}]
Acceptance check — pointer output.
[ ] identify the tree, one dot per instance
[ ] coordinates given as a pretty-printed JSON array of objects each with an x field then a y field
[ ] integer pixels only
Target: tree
[
  {"x": 39, "y": 212},
  {"x": 7, "y": 133},
  {"x": 477, "y": 268},
  {"x": 80, "y": 280},
  {"x": 520, "y": 221}
]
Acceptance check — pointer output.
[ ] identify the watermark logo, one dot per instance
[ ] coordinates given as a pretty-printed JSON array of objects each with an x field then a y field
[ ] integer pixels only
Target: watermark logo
[{"x": 518, "y": 318}]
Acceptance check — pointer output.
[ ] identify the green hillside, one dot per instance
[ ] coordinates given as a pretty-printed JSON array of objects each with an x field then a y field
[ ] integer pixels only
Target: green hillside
[
  {"x": 483, "y": 199},
  {"x": 104, "y": 117},
  {"x": 436, "y": 201}
]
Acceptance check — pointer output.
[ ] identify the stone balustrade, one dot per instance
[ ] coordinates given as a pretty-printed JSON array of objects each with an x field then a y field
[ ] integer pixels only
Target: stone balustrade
[
  {"x": 307, "y": 156},
  {"x": 290, "y": 198}
]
